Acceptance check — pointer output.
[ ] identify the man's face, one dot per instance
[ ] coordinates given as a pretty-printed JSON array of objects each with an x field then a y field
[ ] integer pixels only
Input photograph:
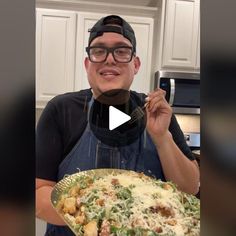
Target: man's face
[{"x": 110, "y": 74}]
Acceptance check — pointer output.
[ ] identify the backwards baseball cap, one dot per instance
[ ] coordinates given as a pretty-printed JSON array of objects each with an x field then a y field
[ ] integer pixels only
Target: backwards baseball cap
[{"x": 113, "y": 23}]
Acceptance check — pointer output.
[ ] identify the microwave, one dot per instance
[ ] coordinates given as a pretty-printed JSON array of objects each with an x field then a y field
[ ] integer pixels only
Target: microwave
[{"x": 182, "y": 90}]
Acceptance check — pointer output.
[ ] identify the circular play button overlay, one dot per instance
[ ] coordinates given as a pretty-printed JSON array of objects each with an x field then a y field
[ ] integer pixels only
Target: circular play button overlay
[{"x": 118, "y": 117}]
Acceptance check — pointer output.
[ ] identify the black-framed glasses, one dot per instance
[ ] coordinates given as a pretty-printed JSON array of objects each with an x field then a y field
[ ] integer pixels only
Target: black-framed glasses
[{"x": 98, "y": 54}]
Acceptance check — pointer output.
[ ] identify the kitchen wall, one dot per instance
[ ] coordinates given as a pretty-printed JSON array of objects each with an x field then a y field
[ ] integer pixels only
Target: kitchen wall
[
  {"x": 38, "y": 112},
  {"x": 40, "y": 227},
  {"x": 40, "y": 224},
  {"x": 189, "y": 123}
]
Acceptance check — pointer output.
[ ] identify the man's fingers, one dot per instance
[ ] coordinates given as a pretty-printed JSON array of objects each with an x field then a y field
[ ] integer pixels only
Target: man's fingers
[
  {"x": 157, "y": 92},
  {"x": 160, "y": 105},
  {"x": 153, "y": 103},
  {"x": 156, "y": 99}
]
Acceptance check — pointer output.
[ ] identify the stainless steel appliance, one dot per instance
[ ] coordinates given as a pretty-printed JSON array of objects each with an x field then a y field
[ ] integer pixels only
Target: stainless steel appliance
[
  {"x": 182, "y": 90},
  {"x": 193, "y": 141}
]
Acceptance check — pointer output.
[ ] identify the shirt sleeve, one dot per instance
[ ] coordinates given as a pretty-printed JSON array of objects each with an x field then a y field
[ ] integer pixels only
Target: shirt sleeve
[
  {"x": 178, "y": 137},
  {"x": 48, "y": 144}
]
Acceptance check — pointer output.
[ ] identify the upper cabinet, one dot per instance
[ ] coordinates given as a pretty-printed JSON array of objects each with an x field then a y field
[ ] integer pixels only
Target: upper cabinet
[
  {"x": 181, "y": 42},
  {"x": 55, "y": 53}
]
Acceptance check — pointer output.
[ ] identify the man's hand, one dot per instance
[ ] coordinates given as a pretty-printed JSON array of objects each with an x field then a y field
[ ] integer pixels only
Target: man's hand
[
  {"x": 159, "y": 115},
  {"x": 176, "y": 166},
  {"x": 44, "y": 208}
]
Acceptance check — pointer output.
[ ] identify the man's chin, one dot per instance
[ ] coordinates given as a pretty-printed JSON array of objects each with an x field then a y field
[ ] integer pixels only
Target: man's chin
[
  {"x": 111, "y": 90},
  {"x": 114, "y": 97}
]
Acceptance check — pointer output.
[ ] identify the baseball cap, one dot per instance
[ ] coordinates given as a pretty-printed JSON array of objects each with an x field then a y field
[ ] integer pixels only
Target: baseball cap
[{"x": 113, "y": 23}]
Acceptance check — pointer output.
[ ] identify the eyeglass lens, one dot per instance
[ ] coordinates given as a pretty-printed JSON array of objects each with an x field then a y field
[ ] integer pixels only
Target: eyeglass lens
[{"x": 120, "y": 54}]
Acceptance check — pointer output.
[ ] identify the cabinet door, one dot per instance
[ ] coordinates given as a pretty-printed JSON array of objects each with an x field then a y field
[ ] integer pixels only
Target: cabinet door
[
  {"x": 143, "y": 27},
  {"x": 55, "y": 53},
  {"x": 181, "y": 33}
]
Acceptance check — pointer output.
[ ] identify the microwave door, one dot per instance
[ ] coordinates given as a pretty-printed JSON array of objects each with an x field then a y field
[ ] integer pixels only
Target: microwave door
[
  {"x": 182, "y": 90},
  {"x": 168, "y": 85}
]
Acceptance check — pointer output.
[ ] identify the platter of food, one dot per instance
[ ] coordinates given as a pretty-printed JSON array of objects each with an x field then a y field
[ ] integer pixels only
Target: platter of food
[{"x": 120, "y": 202}]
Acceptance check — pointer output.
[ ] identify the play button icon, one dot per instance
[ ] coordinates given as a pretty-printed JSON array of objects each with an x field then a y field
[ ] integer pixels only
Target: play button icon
[
  {"x": 111, "y": 117},
  {"x": 116, "y": 118}
]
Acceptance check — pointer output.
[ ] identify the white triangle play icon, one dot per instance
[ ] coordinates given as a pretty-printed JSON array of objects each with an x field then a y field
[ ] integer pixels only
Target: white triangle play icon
[{"x": 116, "y": 118}]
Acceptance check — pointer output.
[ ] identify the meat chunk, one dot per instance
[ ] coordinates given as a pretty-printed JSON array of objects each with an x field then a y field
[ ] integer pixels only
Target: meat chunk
[
  {"x": 100, "y": 202},
  {"x": 163, "y": 210},
  {"x": 158, "y": 230},
  {"x": 115, "y": 181},
  {"x": 105, "y": 228}
]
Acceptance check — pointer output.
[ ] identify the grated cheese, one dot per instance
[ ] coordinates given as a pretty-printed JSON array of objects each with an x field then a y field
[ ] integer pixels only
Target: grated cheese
[{"x": 133, "y": 202}]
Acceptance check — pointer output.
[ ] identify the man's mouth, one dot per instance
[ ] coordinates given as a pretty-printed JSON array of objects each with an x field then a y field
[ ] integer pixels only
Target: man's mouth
[{"x": 109, "y": 74}]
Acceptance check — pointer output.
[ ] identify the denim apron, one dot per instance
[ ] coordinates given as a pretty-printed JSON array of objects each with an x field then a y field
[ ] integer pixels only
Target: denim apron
[{"x": 91, "y": 153}]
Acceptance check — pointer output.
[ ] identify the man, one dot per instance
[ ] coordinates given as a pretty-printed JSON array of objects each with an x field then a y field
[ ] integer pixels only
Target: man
[{"x": 66, "y": 144}]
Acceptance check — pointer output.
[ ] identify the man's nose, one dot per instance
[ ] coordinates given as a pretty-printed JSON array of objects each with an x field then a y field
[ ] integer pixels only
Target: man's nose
[{"x": 110, "y": 58}]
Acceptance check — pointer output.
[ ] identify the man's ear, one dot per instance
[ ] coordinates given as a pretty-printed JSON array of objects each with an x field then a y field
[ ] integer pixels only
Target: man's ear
[
  {"x": 86, "y": 63},
  {"x": 137, "y": 65}
]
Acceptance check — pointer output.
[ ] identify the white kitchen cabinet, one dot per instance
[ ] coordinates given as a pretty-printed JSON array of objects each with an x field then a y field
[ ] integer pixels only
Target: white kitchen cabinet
[
  {"x": 143, "y": 26},
  {"x": 181, "y": 42},
  {"x": 55, "y": 53}
]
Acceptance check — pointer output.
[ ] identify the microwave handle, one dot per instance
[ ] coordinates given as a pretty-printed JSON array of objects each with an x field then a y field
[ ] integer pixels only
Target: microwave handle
[{"x": 172, "y": 91}]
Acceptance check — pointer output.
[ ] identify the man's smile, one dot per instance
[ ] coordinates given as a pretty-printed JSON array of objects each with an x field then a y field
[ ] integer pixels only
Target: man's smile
[{"x": 109, "y": 73}]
